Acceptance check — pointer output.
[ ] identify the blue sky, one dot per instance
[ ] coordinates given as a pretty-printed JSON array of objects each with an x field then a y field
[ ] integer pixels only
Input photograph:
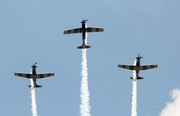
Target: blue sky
[{"x": 32, "y": 31}]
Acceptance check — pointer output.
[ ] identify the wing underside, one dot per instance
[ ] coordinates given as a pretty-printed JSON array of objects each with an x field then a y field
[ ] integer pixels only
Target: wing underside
[
  {"x": 23, "y": 75},
  {"x": 38, "y": 76},
  {"x": 132, "y": 67},
  {"x": 92, "y": 29},
  {"x": 71, "y": 31},
  {"x": 146, "y": 67}
]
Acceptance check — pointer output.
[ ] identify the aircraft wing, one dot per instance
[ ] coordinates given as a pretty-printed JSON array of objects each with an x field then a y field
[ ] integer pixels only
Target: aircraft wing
[
  {"x": 39, "y": 76},
  {"x": 71, "y": 31},
  {"x": 146, "y": 67},
  {"x": 132, "y": 67},
  {"x": 92, "y": 29},
  {"x": 23, "y": 75}
]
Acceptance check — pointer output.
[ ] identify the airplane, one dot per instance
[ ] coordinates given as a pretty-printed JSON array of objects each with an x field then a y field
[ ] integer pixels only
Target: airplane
[
  {"x": 83, "y": 30},
  {"x": 34, "y": 76},
  {"x": 137, "y": 67}
]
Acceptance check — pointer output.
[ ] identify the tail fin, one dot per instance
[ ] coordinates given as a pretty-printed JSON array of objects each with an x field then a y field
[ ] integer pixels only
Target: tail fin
[
  {"x": 138, "y": 78},
  {"x": 35, "y": 86},
  {"x": 83, "y": 47}
]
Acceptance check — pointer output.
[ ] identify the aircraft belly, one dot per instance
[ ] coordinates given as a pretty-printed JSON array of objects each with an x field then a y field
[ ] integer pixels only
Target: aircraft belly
[
  {"x": 135, "y": 74},
  {"x": 83, "y": 35},
  {"x": 34, "y": 78}
]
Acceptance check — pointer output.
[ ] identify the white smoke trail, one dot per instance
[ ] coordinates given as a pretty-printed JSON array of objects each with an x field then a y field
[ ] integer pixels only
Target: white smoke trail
[
  {"x": 134, "y": 98},
  {"x": 84, "y": 106},
  {"x": 172, "y": 108},
  {"x": 134, "y": 94},
  {"x": 33, "y": 99}
]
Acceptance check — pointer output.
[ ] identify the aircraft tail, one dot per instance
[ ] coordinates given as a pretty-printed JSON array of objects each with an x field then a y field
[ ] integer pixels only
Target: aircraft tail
[
  {"x": 35, "y": 86},
  {"x": 138, "y": 78},
  {"x": 83, "y": 47}
]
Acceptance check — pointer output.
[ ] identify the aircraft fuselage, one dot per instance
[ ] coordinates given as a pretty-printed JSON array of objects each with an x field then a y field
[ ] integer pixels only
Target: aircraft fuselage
[
  {"x": 83, "y": 29},
  {"x": 137, "y": 71},
  {"x": 34, "y": 70},
  {"x": 34, "y": 73},
  {"x": 137, "y": 64}
]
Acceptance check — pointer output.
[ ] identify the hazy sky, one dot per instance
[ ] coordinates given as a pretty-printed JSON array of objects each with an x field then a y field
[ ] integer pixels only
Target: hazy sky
[{"x": 32, "y": 31}]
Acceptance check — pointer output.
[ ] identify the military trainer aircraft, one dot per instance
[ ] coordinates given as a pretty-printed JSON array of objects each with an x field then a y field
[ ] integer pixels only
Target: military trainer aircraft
[
  {"x": 34, "y": 76},
  {"x": 83, "y": 30},
  {"x": 137, "y": 67}
]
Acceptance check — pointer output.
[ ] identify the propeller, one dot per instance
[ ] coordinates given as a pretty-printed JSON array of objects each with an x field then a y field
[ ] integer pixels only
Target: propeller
[
  {"x": 83, "y": 21},
  {"x": 34, "y": 65},
  {"x": 139, "y": 56}
]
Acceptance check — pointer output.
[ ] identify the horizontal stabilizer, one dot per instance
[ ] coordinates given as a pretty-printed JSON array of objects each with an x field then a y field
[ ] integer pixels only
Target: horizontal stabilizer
[
  {"x": 35, "y": 86},
  {"x": 138, "y": 78},
  {"x": 83, "y": 47}
]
